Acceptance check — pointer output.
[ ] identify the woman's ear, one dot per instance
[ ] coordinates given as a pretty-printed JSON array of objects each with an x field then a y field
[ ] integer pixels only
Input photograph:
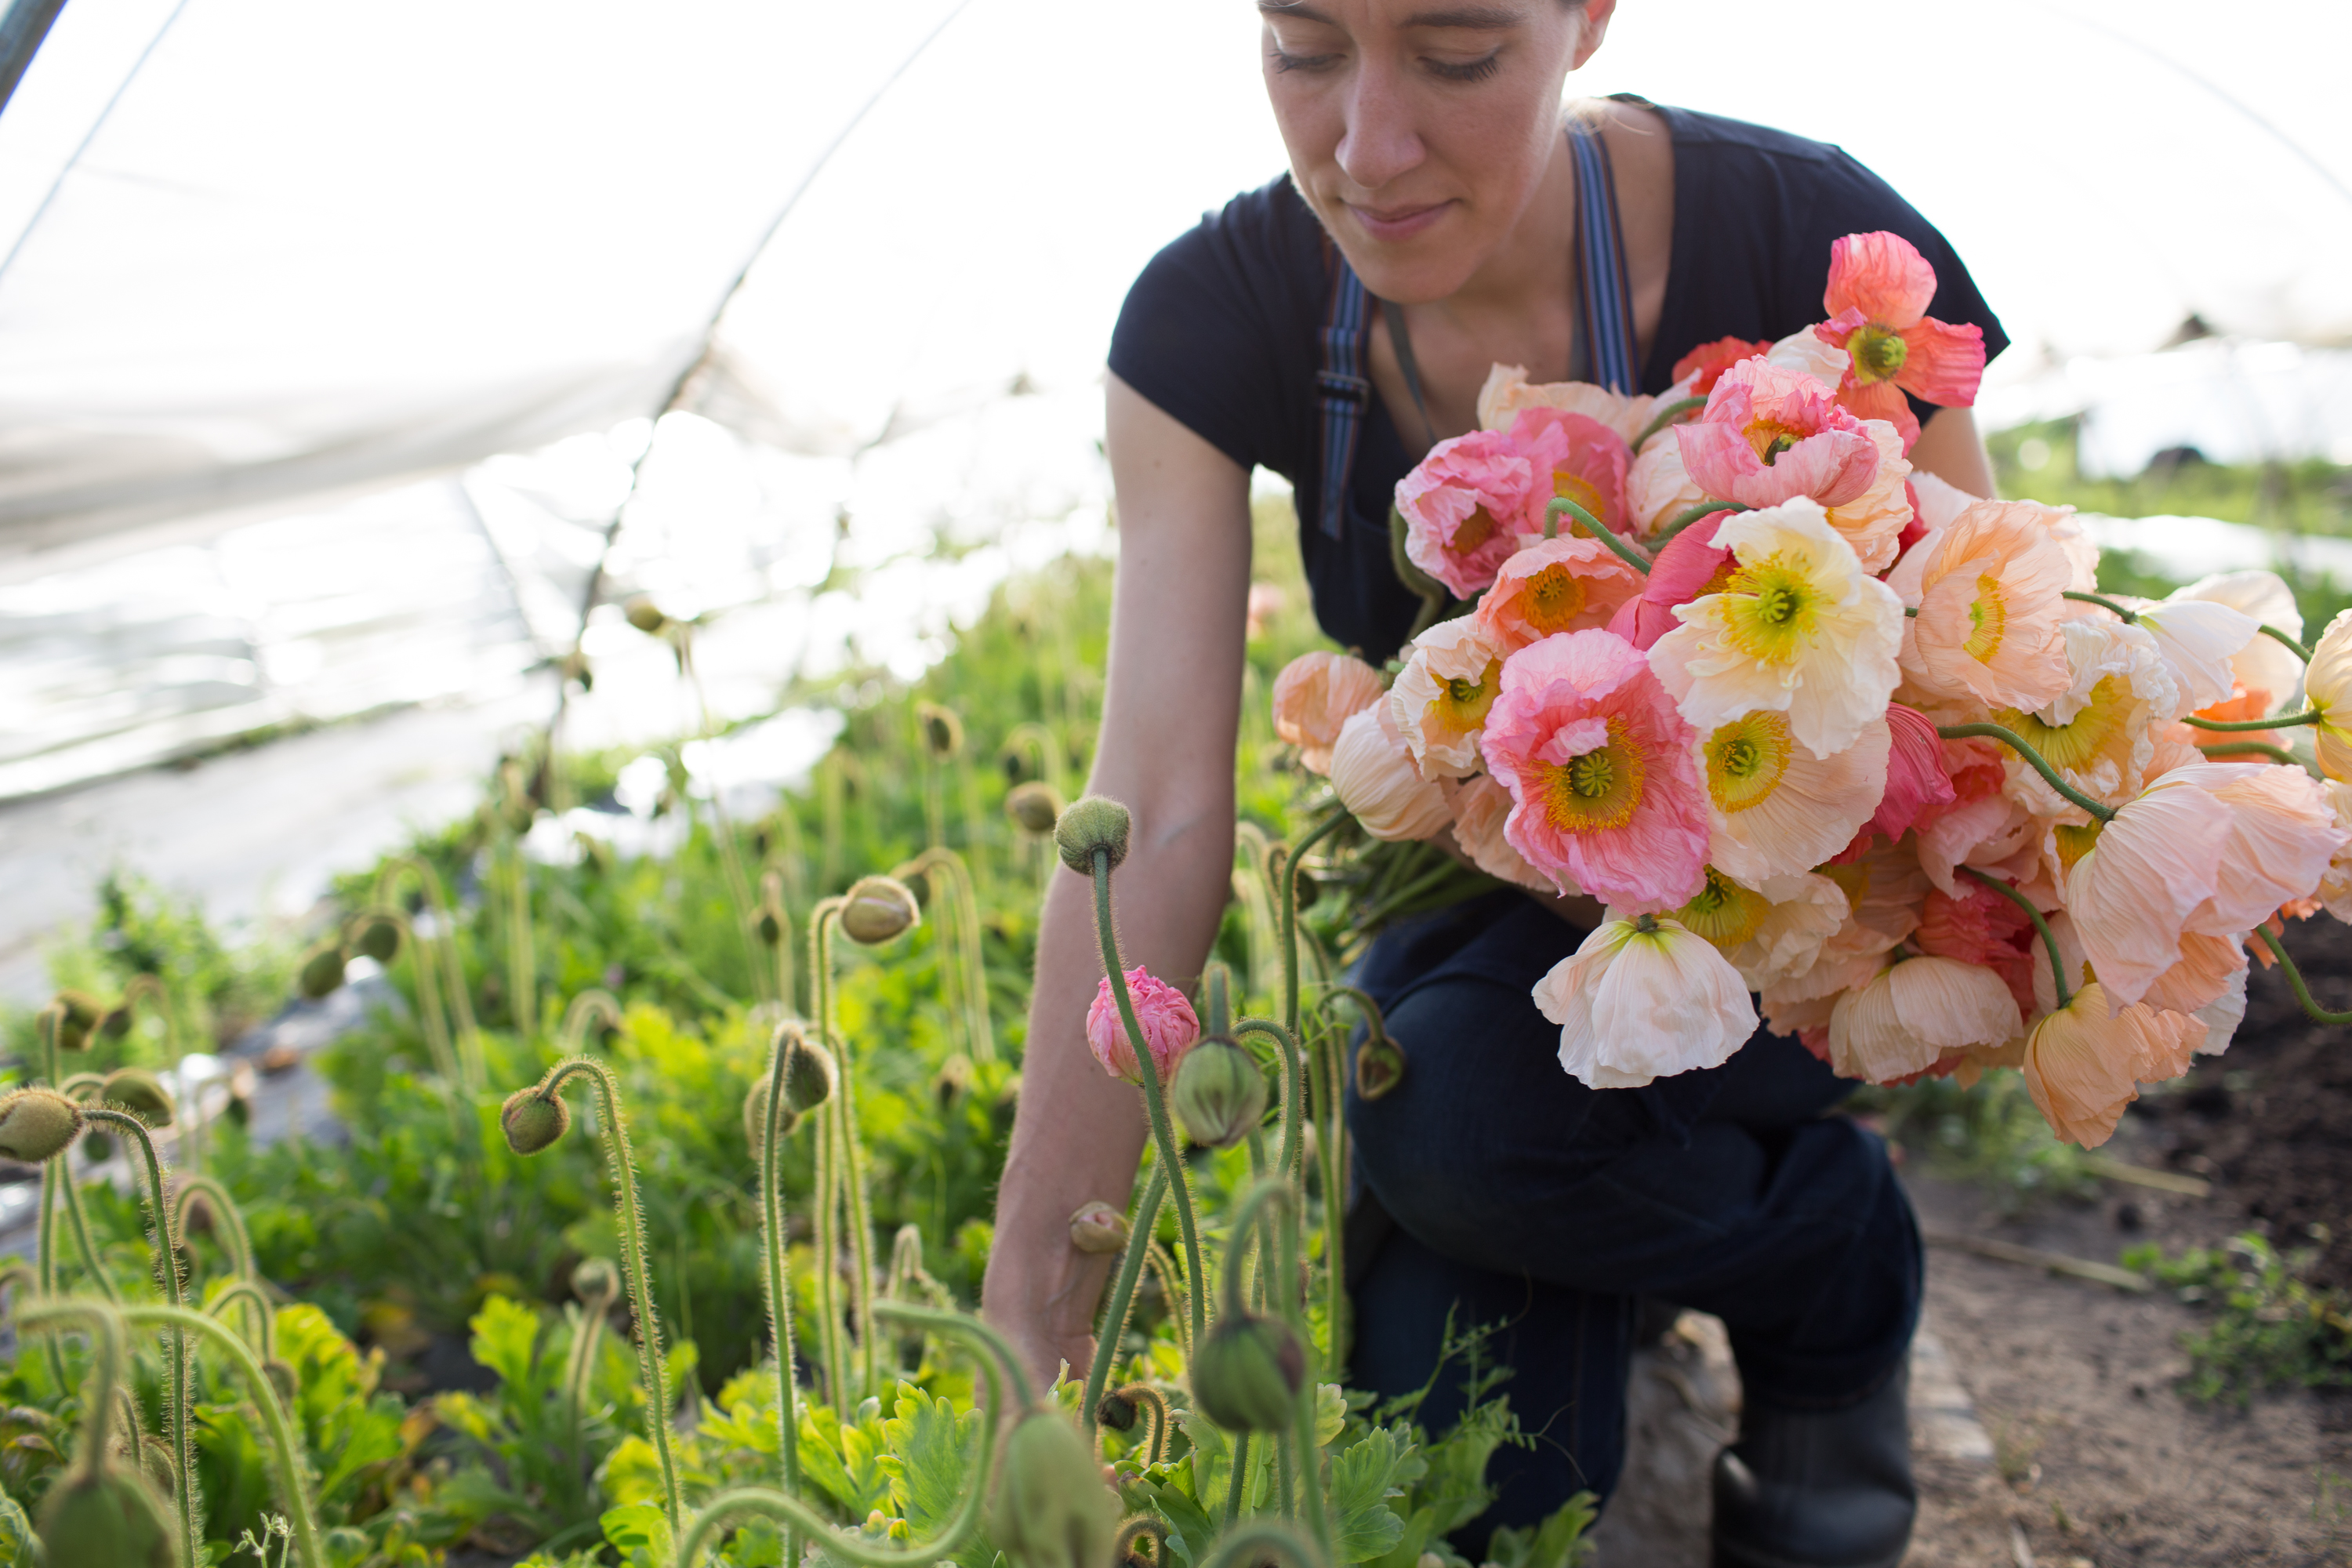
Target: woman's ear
[{"x": 1594, "y": 23}]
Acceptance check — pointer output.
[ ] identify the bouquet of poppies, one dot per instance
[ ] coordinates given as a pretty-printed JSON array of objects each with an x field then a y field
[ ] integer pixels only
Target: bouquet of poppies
[{"x": 1818, "y": 727}]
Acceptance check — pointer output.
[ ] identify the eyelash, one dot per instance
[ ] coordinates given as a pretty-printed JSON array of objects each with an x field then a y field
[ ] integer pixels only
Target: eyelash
[{"x": 1474, "y": 71}]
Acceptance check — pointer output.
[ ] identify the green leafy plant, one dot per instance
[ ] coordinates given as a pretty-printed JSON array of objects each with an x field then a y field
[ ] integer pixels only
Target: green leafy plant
[{"x": 2269, "y": 1328}]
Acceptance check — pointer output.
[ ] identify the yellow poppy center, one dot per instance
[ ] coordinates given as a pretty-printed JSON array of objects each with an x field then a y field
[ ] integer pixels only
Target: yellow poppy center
[
  {"x": 1568, "y": 486},
  {"x": 2074, "y": 746},
  {"x": 1770, "y": 608},
  {"x": 1770, "y": 438},
  {"x": 1987, "y": 620},
  {"x": 1747, "y": 759},
  {"x": 1599, "y": 790},
  {"x": 1474, "y": 532},
  {"x": 1552, "y": 599},
  {"x": 1878, "y": 352},
  {"x": 1726, "y": 913},
  {"x": 2074, "y": 842},
  {"x": 1461, "y": 702}
]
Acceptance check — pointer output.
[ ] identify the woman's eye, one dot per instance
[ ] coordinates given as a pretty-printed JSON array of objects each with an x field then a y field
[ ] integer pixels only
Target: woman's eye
[
  {"x": 1285, "y": 61},
  {"x": 1466, "y": 71}
]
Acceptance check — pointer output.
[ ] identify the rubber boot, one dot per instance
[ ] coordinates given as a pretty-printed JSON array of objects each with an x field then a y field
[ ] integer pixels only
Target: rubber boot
[{"x": 1819, "y": 1489}]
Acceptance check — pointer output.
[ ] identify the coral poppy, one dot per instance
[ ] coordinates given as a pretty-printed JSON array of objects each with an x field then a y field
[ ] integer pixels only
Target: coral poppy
[
  {"x": 1441, "y": 697},
  {"x": 1691, "y": 563},
  {"x": 1768, "y": 435},
  {"x": 2086, "y": 1061},
  {"x": 1643, "y": 1000},
  {"x": 1879, "y": 291},
  {"x": 1705, "y": 366},
  {"x": 1314, "y": 695},
  {"x": 1987, "y": 591},
  {"x": 1563, "y": 585},
  {"x": 1462, "y": 507}
]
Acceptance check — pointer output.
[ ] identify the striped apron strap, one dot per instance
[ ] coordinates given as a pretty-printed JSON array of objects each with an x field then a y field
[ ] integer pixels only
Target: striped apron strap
[
  {"x": 1345, "y": 391},
  {"x": 1611, "y": 359}
]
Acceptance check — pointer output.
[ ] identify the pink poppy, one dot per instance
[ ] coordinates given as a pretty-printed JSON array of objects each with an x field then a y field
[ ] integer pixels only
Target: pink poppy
[
  {"x": 1916, "y": 783},
  {"x": 1769, "y": 435},
  {"x": 1879, "y": 291},
  {"x": 1574, "y": 457},
  {"x": 1976, "y": 925},
  {"x": 1170, "y": 1027},
  {"x": 1605, "y": 794},
  {"x": 1463, "y": 505},
  {"x": 1691, "y": 565},
  {"x": 1563, "y": 585}
]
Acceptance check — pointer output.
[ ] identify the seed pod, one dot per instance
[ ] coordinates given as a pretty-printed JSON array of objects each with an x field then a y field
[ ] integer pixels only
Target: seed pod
[
  {"x": 1092, "y": 824},
  {"x": 1247, "y": 1373},
  {"x": 322, "y": 973},
  {"x": 139, "y": 1092},
  {"x": 1052, "y": 1508},
  {"x": 1035, "y": 806},
  {"x": 78, "y": 1013},
  {"x": 596, "y": 1281},
  {"x": 755, "y": 1114},
  {"x": 111, "y": 1517},
  {"x": 1115, "y": 1411},
  {"x": 1220, "y": 1093},
  {"x": 1380, "y": 1063},
  {"x": 380, "y": 940},
  {"x": 1098, "y": 1227},
  {"x": 808, "y": 1076},
  {"x": 942, "y": 730},
  {"x": 36, "y": 1124},
  {"x": 878, "y": 908},
  {"x": 645, "y": 615},
  {"x": 533, "y": 1122}
]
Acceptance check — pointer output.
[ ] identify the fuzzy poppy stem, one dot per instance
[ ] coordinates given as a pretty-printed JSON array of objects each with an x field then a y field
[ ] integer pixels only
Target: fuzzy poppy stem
[
  {"x": 848, "y": 1168},
  {"x": 1248, "y": 1216},
  {"x": 1690, "y": 515},
  {"x": 773, "y": 1236},
  {"x": 1617, "y": 547},
  {"x": 2295, "y": 978},
  {"x": 234, "y": 1239},
  {"x": 1667, "y": 416},
  {"x": 2049, "y": 938},
  {"x": 249, "y": 1294},
  {"x": 468, "y": 1052},
  {"x": 2040, "y": 763},
  {"x": 79, "y": 1219},
  {"x": 1121, "y": 1303}
]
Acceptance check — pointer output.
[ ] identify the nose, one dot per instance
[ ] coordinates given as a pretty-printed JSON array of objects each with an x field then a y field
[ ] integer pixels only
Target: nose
[{"x": 1381, "y": 141}]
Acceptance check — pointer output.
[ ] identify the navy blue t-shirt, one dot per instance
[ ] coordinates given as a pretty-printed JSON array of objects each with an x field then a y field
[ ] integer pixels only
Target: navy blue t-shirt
[{"x": 1220, "y": 330}]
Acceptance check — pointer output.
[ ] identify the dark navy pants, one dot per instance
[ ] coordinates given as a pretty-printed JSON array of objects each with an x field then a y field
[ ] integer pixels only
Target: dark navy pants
[{"x": 1517, "y": 1196}]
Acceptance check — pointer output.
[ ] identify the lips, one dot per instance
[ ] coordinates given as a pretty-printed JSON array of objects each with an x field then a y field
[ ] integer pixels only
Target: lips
[{"x": 1394, "y": 225}]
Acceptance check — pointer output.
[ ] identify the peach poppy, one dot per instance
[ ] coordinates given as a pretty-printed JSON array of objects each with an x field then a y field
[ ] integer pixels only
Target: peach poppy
[
  {"x": 1643, "y": 1000},
  {"x": 1506, "y": 394},
  {"x": 1481, "y": 807},
  {"x": 1913, "y": 1012},
  {"x": 1879, "y": 291},
  {"x": 2086, "y": 1061},
  {"x": 1769, "y": 931},
  {"x": 2336, "y": 886},
  {"x": 1376, "y": 779},
  {"x": 1441, "y": 697},
  {"x": 1575, "y": 457},
  {"x": 1800, "y": 628},
  {"x": 1980, "y": 815},
  {"x": 1314, "y": 695},
  {"x": 1604, "y": 793},
  {"x": 2327, "y": 690},
  {"x": 1462, "y": 507},
  {"x": 1774, "y": 809},
  {"x": 1563, "y": 585},
  {"x": 1987, "y": 591},
  {"x": 1658, "y": 489},
  {"x": 1883, "y": 891},
  {"x": 2099, "y": 733}
]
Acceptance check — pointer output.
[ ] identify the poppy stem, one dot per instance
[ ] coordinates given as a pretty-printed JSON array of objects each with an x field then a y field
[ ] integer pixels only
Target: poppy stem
[
  {"x": 2129, "y": 615},
  {"x": 2254, "y": 749},
  {"x": 1664, "y": 417},
  {"x": 2295, "y": 978},
  {"x": 2227, "y": 725},
  {"x": 2010, "y": 738},
  {"x": 1690, "y": 515},
  {"x": 1121, "y": 1300},
  {"x": 2049, "y": 939},
  {"x": 1617, "y": 547}
]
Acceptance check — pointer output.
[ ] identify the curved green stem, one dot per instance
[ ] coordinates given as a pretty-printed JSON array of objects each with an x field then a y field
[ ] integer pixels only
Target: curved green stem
[
  {"x": 849, "y": 1167},
  {"x": 775, "y": 1242},
  {"x": 1179, "y": 1297},
  {"x": 1292, "y": 1160},
  {"x": 2254, "y": 749},
  {"x": 1163, "y": 1132},
  {"x": 2285, "y": 721},
  {"x": 80, "y": 1221},
  {"x": 2049, "y": 938},
  {"x": 1689, "y": 515},
  {"x": 2277, "y": 635},
  {"x": 2295, "y": 978},
  {"x": 1592, "y": 525},
  {"x": 1290, "y": 898},
  {"x": 2124, "y": 612},
  {"x": 467, "y": 1055},
  {"x": 1238, "y": 1482},
  {"x": 1144, "y": 1394},
  {"x": 590, "y": 1007},
  {"x": 1237, "y": 1237},
  {"x": 1121, "y": 1303},
  {"x": 167, "y": 1267},
  {"x": 629, "y": 1221},
  {"x": 248, "y": 1293},
  {"x": 226, "y": 1217},
  {"x": 1667, "y": 416},
  {"x": 2039, "y": 762},
  {"x": 826, "y": 1237},
  {"x": 105, "y": 1377},
  {"x": 1261, "y": 1540}
]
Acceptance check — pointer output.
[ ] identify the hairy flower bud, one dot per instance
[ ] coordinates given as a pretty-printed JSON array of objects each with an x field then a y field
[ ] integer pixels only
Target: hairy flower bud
[
  {"x": 770, "y": 925},
  {"x": 755, "y": 1114},
  {"x": 1220, "y": 1093},
  {"x": 1098, "y": 1227},
  {"x": 78, "y": 1014},
  {"x": 1052, "y": 1508},
  {"x": 533, "y": 1122},
  {"x": 109, "y": 1516},
  {"x": 808, "y": 1077},
  {"x": 596, "y": 1281},
  {"x": 1035, "y": 808},
  {"x": 1248, "y": 1373},
  {"x": 645, "y": 616},
  {"x": 877, "y": 908},
  {"x": 1115, "y": 1411},
  {"x": 942, "y": 730},
  {"x": 36, "y": 1124},
  {"x": 380, "y": 940},
  {"x": 139, "y": 1092},
  {"x": 1092, "y": 824},
  {"x": 115, "y": 1024},
  {"x": 323, "y": 972},
  {"x": 1378, "y": 1064}
]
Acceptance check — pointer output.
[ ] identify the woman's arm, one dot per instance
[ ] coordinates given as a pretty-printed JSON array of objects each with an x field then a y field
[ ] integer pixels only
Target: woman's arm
[
  {"x": 1171, "y": 706},
  {"x": 1950, "y": 447}
]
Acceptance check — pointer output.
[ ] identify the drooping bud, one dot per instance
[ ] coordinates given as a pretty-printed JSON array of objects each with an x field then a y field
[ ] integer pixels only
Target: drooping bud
[
  {"x": 878, "y": 908},
  {"x": 1220, "y": 1093},
  {"x": 1248, "y": 1373},
  {"x": 1035, "y": 808},
  {"x": 322, "y": 973},
  {"x": 645, "y": 616},
  {"x": 155, "y": 1464},
  {"x": 1098, "y": 1227},
  {"x": 755, "y": 1114},
  {"x": 1096, "y": 823},
  {"x": 942, "y": 730},
  {"x": 110, "y": 1517},
  {"x": 1115, "y": 1411},
  {"x": 380, "y": 940},
  {"x": 36, "y": 1124},
  {"x": 139, "y": 1092},
  {"x": 533, "y": 1122},
  {"x": 1380, "y": 1063},
  {"x": 1052, "y": 1508},
  {"x": 596, "y": 1281},
  {"x": 1309, "y": 889},
  {"x": 78, "y": 1012},
  {"x": 808, "y": 1077},
  {"x": 771, "y": 925},
  {"x": 115, "y": 1024}
]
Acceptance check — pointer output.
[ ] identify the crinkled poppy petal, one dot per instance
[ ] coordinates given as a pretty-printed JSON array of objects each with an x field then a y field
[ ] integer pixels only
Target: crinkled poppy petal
[
  {"x": 1882, "y": 275},
  {"x": 1942, "y": 363}
]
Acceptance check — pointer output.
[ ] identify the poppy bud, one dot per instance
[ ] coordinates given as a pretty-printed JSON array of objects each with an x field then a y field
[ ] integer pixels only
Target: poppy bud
[
  {"x": 1092, "y": 824},
  {"x": 808, "y": 1076},
  {"x": 877, "y": 908},
  {"x": 78, "y": 1014},
  {"x": 323, "y": 972},
  {"x": 755, "y": 1114},
  {"x": 115, "y": 1024},
  {"x": 942, "y": 730},
  {"x": 97, "y": 1148},
  {"x": 596, "y": 1281},
  {"x": 1220, "y": 1093},
  {"x": 155, "y": 1464},
  {"x": 533, "y": 1122},
  {"x": 1115, "y": 1411},
  {"x": 771, "y": 925},
  {"x": 1248, "y": 1373},
  {"x": 1098, "y": 1227},
  {"x": 139, "y": 1092},
  {"x": 1308, "y": 889},
  {"x": 380, "y": 940},
  {"x": 111, "y": 1516},
  {"x": 954, "y": 1080},
  {"x": 284, "y": 1379},
  {"x": 645, "y": 615},
  {"x": 1035, "y": 808},
  {"x": 1052, "y": 1508},
  {"x": 1378, "y": 1064},
  {"x": 36, "y": 1124}
]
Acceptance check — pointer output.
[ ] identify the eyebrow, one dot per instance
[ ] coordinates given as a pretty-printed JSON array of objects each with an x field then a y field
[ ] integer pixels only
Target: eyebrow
[{"x": 1481, "y": 17}]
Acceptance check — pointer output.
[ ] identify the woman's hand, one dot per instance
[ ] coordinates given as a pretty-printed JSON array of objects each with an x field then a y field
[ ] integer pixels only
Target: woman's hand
[{"x": 1172, "y": 704}]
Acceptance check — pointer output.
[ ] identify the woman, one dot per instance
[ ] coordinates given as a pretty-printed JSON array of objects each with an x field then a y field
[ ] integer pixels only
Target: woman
[{"x": 1432, "y": 162}]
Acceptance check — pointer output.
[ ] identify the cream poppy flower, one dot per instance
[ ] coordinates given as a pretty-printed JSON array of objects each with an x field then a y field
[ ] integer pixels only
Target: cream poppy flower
[
  {"x": 1913, "y": 1012},
  {"x": 2336, "y": 886},
  {"x": 1314, "y": 695},
  {"x": 1774, "y": 810},
  {"x": 2084, "y": 1063},
  {"x": 1800, "y": 628},
  {"x": 2328, "y": 689},
  {"x": 1987, "y": 588},
  {"x": 1440, "y": 700},
  {"x": 1643, "y": 1000},
  {"x": 2264, "y": 670},
  {"x": 1375, "y": 778},
  {"x": 1508, "y": 394},
  {"x": 1769, "y": 932},
  {"x": 2100, "y": 733},
  {"x": 1659, "y": 489},
  {"x": 2200, "y": 640}
]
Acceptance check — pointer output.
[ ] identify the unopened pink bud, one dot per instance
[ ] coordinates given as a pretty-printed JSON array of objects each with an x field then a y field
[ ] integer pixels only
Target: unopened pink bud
[{"x": 1170, "y": 1027}]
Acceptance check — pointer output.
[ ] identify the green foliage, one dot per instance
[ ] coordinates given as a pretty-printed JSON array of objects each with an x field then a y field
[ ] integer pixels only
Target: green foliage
[{"x": 2269, "y": 1327}]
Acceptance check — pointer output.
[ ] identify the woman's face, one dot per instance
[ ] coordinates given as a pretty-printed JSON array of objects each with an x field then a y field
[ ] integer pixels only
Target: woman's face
[{"x": 1419, "y": 131}]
